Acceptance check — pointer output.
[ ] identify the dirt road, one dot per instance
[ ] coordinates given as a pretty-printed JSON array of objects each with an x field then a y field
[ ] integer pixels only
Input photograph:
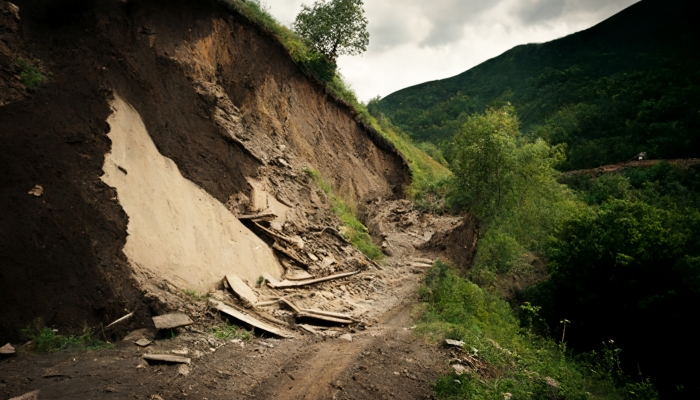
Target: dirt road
[{"x": 385, "y": 358}]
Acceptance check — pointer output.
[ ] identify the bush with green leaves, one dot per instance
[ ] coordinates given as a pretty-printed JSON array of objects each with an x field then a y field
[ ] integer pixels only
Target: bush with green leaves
[
  {"x": 354, "y": 231},
  {"x": 510, "y": 184},
  {"x": 629, "y": 271},
  {"x": 514, "y": 359},
  {"x": 30, "y": 74}
]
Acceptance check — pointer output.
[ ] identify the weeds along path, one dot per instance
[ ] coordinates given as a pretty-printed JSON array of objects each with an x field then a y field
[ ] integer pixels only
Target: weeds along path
[{"x": 385, "y": 359}]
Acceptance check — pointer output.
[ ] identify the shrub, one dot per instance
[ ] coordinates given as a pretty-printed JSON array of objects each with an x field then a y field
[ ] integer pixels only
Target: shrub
[
  {"x": 354, "y": 231},
  {"x": 47, "y": 340},
  {"x": 30, "y": 74}
]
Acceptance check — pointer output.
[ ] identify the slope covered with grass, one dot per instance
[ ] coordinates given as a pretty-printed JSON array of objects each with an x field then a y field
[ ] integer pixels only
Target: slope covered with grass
[
  {"x": 426, "y": 172},
  {"x": 627, "y": 85}
]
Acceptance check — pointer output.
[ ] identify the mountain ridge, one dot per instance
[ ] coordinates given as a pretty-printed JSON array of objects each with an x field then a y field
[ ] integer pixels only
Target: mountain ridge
[{"x": 541, "y": 79}]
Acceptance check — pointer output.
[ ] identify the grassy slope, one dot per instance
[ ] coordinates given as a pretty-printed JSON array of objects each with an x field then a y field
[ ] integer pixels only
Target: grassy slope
[
  {"x": 424, "y": 169},
  {"x": 629, "y": 84},
  {"x": 509, "y": 358}
]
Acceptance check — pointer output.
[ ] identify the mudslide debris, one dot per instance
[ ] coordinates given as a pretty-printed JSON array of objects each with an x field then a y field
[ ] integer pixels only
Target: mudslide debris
[
  {"x": 124, "y": 318},
  {"x": 170, "y": 321},
  {"x": 34, "y": 395},
  {"x": 167, "y": 358},
  {"x": 242, "y": 290},
  {"x": 247, "y": 319},
  {"x": 7, "y": 350},
  {"x": 288, "y": 284}
]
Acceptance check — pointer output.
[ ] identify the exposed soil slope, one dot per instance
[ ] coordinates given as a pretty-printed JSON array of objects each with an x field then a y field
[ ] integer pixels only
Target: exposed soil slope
[{"x": 220, "y": 99}]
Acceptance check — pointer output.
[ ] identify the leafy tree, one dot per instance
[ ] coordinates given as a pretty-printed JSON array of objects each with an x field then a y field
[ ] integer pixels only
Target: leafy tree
[
  {"x": 334, "y": 28},
  {"x": 483, "y": 156}
]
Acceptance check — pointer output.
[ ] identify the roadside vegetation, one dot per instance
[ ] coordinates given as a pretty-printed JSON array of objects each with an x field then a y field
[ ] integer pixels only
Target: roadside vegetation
[
  {"x": 616, "y": 256},
  {"x": 353, "y": 230},
  {"x": 507, "y": 358},
  {"x": 46, "y": 340}
]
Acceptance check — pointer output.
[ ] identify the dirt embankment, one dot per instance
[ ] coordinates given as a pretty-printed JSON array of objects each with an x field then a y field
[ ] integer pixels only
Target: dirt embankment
[{"x": 221, "y": 100}]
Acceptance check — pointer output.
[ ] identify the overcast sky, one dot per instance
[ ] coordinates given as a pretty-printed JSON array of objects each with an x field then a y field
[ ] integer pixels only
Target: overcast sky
[{"x": 414, "y": 41}]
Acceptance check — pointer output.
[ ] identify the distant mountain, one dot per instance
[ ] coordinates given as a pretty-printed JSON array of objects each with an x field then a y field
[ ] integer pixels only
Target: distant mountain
[{"x": 626, "y": 85}]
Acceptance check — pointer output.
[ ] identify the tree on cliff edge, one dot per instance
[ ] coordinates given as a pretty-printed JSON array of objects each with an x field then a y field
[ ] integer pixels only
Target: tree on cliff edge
[{"x": 334, "y": 27}]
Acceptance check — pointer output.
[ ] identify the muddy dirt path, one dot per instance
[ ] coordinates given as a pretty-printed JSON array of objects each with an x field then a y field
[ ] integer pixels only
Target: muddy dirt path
[{"x": 385, "y": 358}]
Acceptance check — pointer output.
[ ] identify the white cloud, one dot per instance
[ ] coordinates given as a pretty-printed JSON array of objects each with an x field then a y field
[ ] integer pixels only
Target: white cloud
[{"x": 413, "y": 41}]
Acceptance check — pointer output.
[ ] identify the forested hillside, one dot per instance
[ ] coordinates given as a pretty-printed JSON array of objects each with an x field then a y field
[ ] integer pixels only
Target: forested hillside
[{"x": 627, "y": 85}]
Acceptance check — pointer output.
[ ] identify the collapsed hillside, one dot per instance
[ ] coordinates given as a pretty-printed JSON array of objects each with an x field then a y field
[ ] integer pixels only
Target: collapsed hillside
[{"x": 158, "y": 123}]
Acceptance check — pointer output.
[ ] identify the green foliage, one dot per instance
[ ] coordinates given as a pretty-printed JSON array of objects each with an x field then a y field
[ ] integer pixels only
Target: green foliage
[
  {"x": 311, "y": 61},
  {"x": 334, "y": 28},
  {"x": 509, "y": 184},
  {"x": 430, "y": 179},
  {"x": 429, "y": 184},
  {"x": 192, "y": 294},
  {"x": 608, "y": 92},
  {"x": 30, "y": 74},
  {"x": 630, "y": 269},
  {"x": 230, "y": 332},
  {"x": 353, "y": 230},
  {"x": 47, "y": 340},
  {"x": 515, "y": 360}
]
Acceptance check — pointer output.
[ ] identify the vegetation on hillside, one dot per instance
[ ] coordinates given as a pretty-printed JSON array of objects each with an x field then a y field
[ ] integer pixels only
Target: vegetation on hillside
[
  {"x": 511, "y": 361},
  {"x": 333, "y": 28},
  {"x": 618, "y": 255},
  {"x": 428, "y": 175},
  {"x": 353, "y": 230},
  {"x": 627, "y": 85}
]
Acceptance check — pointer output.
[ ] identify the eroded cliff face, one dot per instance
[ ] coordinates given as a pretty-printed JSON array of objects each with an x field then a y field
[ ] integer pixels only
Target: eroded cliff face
[{"x": 224, "y": 108}]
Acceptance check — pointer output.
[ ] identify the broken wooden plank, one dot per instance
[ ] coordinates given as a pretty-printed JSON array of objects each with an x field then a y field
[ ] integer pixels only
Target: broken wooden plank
[
  {"x": 257, "y": 216},
  {"x": 167, "y": 358},
  {"x": 419, "y": 265},
  {"x": 336, "y": 320},
  {"x": 170, "y": 321},
  {"x": 267, "y": 303},
  {"x": 127, "y": 316},
  {"x": 270, "y": 279},
  {"x": 290, "y": 305},
  {"x": 242, "y": 290},
  {"x": 284, "y": 201},
  {"x": 298, "y": 275},
  {"x": 289, "y": 254},
  {"x": 296, "y": 241},
  {"x": 327, "y": 313},
  {"x": 309, "y": 329},
  {"x": 289, "y": 284},
  {"x": 245, "y": 318}
]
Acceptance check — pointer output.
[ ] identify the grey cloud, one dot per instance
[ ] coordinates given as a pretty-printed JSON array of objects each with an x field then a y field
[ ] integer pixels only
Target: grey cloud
[
  {"x": 534, "y": 12},
  {"x": 448, "y": 18}
]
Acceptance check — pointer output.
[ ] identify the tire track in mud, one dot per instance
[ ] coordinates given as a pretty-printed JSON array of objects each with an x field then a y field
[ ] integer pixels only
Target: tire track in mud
[{"x": 385, "y": 361}]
